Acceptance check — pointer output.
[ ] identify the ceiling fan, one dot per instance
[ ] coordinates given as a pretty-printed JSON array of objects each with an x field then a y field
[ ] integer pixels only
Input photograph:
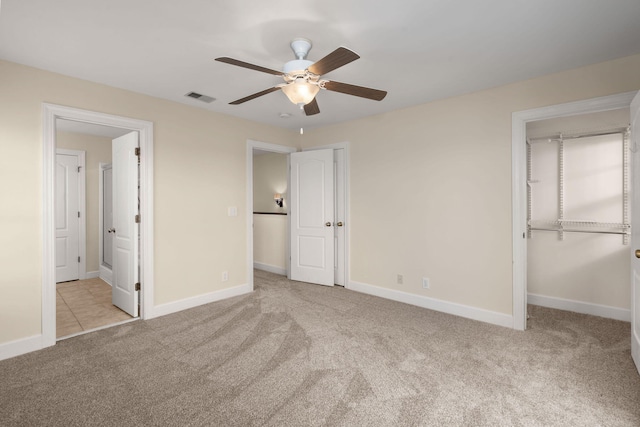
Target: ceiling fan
[{"x": 302, "y": 80}]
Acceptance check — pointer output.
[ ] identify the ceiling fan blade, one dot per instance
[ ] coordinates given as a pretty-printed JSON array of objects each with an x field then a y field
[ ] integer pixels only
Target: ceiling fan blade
[
  {"x": 255, "y": 95},
  {"x": 336, "y": 59},
  {"x": 363, "y": 92},
  {"x": 249, "y": 66},
  {"x": 312, "y": 108}
]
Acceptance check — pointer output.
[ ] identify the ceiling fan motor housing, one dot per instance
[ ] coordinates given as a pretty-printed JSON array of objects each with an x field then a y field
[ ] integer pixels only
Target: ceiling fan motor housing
[
  {"x": 301, "y": 47},
  {"x": 297, "y": 66}
]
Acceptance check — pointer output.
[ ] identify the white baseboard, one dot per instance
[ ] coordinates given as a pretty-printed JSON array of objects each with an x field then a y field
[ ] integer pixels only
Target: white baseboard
[
  {"x": 270, "y": 268},
  {"x": 21, "y": 346},
  {"x": 93, "y": 274},
  {"x": 635, "y": 349},
  {"x": 184, "y": 304},
  {"x": 106, "y": 274},
  {"x": 466, "y": 311},
  {"x": 580, "y": 307}
]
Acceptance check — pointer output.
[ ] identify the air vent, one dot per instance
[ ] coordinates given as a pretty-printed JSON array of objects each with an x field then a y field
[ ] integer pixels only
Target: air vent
[{"x": 200, "y": 97}]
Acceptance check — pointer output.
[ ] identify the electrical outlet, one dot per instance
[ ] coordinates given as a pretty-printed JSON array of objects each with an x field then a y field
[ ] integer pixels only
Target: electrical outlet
[
  {"x": 400, "y": 279},
  {"x": 225, "y": 276},
  {"x": 425, "y": 282}
]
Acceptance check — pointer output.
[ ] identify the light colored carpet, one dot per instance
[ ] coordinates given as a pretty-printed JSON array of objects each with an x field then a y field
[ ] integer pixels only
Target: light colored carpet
[{"x": 294, "y": 354}]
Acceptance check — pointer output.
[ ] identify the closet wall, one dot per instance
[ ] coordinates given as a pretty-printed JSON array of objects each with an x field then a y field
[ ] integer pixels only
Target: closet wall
[{"x": 586, "y": 271}]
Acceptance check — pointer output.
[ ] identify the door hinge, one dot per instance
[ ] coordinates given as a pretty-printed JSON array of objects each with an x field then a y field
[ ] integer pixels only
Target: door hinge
[
  {"x": 137, "y": 151},
  {"x": 78, "y": 214},
  {"x": 136, "y": 287},
  {"x": 137, "y": 219},
  {"x": 78, "y": 259}
]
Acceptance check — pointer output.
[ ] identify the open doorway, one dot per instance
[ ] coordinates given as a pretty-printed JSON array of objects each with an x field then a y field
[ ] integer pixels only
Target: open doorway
[
  {"x": 519, "y": 183},
  {"x": 578, "y": 214},
  {"x": 267, "y": 219},
  {"x": 84, "y": 254},
  {"x": 270, "y": 208},
  {"x": 136, "y": 241},
  {"x": 339, "y": 263}
]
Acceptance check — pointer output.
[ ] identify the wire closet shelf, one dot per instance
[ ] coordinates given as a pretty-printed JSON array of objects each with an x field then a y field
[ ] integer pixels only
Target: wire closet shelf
[{"x": 562, "y": 225}]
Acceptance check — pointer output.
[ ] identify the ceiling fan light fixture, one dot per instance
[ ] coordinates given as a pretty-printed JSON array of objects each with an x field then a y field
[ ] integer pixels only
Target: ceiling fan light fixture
[
  {"x": 303, "y": 78},
  {"x": 300, "y": 91}
]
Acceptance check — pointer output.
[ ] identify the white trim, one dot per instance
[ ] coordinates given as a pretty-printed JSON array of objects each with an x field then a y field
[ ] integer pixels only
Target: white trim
[
  {"x": 187, "y": 303},
  {"x": 106, "y": 274},
  {"x": 251, "y": 144},
  {"x": 50, "y": 113},
  {"x": 92, "y": 274},
  {"x": 82, "y": 208},
  {"x": 442, "y": 306},
  {"x": 580, "y": 307},
  {"x": 99, "y": 328},
  {"x": 635, "y": 349},
  {"x": 347, "y": 206},
  {"x": 634, "y": 116},
  {"x": 270, "y": 268},
  {"x": 519, "y": 122},
  {"x": 101, "y": 169},
  {"x": 22, "y": 346}
]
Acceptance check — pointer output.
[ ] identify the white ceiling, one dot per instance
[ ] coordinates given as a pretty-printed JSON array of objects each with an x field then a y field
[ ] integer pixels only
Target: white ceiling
[{"x": 417, "y": 50}]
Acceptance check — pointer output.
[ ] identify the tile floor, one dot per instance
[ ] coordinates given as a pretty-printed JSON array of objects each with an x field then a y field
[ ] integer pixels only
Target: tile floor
[{"x": 85, "y": 304}]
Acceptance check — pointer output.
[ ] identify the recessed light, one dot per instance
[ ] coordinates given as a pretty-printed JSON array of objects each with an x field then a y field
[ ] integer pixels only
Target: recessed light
[{"x": 285, "y": 115}]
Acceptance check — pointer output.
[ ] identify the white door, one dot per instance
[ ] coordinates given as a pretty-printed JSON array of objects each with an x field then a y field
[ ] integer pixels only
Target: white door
[
  {"x": 125, "y": 236},
  {"x": 312, "y": 217},
  {"x": 635, "y": 232},
  {"x": 67, "y": 220},
  {"x": 340, "y": 203}
]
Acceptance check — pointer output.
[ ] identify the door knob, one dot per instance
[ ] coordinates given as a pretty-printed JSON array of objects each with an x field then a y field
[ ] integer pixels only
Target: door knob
[
  {"x": 637, "y": 253},
  {"x": 328, "y": 224},
  {"x": 339, "y": 224}
]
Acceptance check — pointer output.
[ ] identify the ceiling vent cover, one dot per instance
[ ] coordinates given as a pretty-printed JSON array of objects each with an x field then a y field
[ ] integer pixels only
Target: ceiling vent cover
[{"x": 200, "y": 97}]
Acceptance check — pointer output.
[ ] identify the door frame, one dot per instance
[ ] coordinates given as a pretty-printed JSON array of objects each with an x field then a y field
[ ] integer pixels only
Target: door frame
[
  {"x": 519, "y": 122},
  {"x": 103, "y": 272},
  {"x": 347, "y": 204},
  {"x": 50, "y": 113},
  {"x": 274, "y": 148},
  {"x": 82, "y": 208}
]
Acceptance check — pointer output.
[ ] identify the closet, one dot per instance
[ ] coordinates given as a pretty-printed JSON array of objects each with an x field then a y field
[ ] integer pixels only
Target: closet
[{"x": 578, "y": 218}]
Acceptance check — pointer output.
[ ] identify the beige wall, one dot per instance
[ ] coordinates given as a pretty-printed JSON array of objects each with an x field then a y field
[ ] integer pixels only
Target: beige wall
[
  {"x": 269, "y": 178},
  {"x": 431, "y": 185},
  {"x": 590, "y": 268},
  {"x": 98, "y": 149},
  {"x": 270, "y": 240},
  {"x": 199, "y": 171}
]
